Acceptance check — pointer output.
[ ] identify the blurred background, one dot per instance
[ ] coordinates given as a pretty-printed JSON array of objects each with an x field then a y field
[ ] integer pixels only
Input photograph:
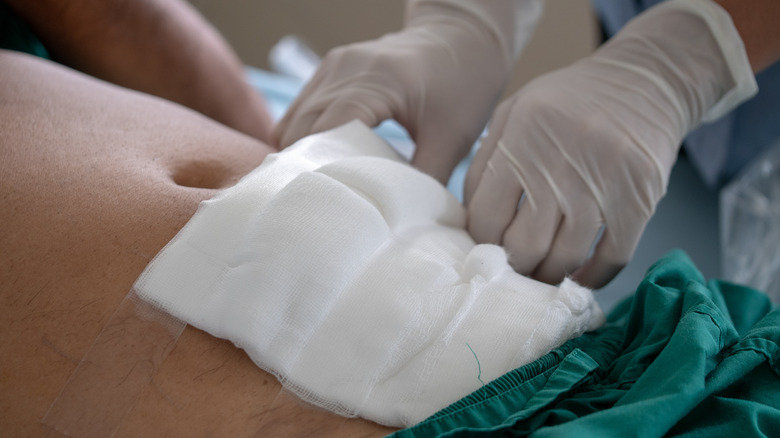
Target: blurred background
[{"x": 568, "y": 30}]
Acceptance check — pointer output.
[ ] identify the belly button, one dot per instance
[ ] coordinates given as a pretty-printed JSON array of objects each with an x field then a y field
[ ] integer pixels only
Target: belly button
[{"x": 201, "y": 174}]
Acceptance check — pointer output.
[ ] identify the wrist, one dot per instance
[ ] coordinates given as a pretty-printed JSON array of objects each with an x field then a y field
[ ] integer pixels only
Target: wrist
[
  {"x": 485, "y": 31},
  {"x": 452, "y": 41},
  {"x": 691, "y": 51}
]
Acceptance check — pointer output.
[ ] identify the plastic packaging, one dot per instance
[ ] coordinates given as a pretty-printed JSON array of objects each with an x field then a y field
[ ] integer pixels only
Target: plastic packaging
[
  {"x": 750, "y": 226},
  {"x": 291, "y": 56}
]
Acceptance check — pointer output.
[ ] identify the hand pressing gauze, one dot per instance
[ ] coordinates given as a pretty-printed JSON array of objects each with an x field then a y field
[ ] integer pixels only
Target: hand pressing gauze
[{"x": 348, "y": 275}]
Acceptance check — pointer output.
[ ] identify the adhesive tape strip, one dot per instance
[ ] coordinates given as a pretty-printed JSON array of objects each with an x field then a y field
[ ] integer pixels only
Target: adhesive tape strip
[{"x": 115, "y": 370}]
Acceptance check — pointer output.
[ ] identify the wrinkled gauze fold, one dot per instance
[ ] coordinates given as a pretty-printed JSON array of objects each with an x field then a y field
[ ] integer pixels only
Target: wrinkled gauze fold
[{"x": 348, "y": 275}]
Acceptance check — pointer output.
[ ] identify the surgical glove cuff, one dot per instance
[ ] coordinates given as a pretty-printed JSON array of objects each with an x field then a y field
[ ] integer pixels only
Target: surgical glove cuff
[
  {"x": 692, "y": 47},
  {"x": 509, "y": 22},
  {"x": 733, "y": 51}
]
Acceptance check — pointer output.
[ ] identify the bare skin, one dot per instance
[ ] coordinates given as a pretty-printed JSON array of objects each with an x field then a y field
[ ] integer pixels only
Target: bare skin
[
  {"x": 94, "y": 181},
  {"x": 756, "y": 22}
]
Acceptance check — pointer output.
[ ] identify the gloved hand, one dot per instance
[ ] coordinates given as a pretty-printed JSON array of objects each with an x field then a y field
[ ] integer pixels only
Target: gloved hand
[
  {"x": 593, "y": 144},
  {"x": 440, "y": 78}
]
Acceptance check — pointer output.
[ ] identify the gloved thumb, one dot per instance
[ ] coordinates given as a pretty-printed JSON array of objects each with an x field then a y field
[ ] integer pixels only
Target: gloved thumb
[
  {"x": 369, "y": 111},
  {"x": 438, "y": 152},
  {"x": 326, "y": 112},
  {"x": 334, "y": 115}
]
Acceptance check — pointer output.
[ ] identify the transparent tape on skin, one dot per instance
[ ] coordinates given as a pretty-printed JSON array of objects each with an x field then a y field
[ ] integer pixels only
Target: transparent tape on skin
[{"x": 119, "y": 365}]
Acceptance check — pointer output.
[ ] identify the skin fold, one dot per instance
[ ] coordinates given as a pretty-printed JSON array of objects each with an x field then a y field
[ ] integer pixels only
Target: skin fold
[{"x": 161, "y": 47}]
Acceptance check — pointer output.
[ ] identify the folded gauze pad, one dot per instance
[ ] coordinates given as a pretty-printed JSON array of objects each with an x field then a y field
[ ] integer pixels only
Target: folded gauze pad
[{"x": 348, "y": 275}]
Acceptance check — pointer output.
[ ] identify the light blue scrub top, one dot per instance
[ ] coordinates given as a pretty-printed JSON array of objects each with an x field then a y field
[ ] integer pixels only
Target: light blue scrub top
[{"x": 720, "y": 149}]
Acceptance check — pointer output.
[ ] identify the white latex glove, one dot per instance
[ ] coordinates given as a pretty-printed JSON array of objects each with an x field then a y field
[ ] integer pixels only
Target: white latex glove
[
  {"x": 593, "y": 144},
  {"x": 440, "y": 78}
]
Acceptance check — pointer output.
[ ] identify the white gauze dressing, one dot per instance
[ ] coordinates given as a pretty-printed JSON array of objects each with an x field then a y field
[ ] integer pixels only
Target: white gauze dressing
[{"x": 348, "y": 275}]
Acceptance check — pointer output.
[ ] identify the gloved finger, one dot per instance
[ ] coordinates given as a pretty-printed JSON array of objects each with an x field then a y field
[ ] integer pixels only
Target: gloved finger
[
  {"x": 529, "y": 237},
  {"x": 573, "y": 241},
  {"x": 609, "y": 257},
  {"x": 438, "y": 151},
  {"x": 494, "y": 203},
  {"x": 298, "y": 128},
  {"x": 485, "y": 151},
  {"x": 369, "y": 110},
  {"x": 290, "y": 117}
]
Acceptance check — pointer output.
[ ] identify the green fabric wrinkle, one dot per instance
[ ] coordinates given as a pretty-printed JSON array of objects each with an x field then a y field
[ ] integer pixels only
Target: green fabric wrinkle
[{"x": 672, "y": 359}]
